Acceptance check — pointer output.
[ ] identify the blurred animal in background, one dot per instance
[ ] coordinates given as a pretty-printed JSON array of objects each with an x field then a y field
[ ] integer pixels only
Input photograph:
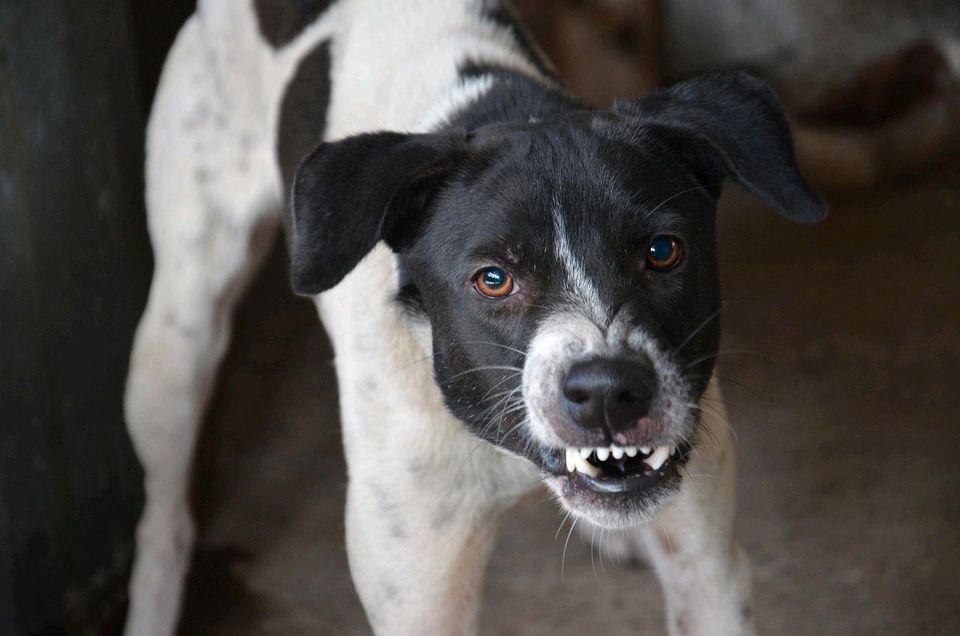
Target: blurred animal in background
[
  {"x": 862, "y": 119},
  {"x": 520, "y": 289}
]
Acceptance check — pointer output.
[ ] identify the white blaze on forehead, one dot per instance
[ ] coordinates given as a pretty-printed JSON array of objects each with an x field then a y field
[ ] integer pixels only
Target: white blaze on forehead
[{"x": 581, "y": 285}]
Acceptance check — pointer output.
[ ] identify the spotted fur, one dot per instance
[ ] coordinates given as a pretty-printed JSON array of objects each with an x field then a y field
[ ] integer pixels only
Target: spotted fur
[{"x": 265, "y": 104}]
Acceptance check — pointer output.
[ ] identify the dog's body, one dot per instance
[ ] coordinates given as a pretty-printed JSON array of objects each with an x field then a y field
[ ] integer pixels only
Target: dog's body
[{"x": 248, "y": 91}]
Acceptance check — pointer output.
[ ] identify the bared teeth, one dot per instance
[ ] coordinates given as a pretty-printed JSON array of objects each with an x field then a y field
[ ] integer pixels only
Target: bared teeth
[
  {"x": 576, "y": 462},
  {"x": 577, "y": 458},
  {"x": 586, "y": 467},
  {"x": 658, "y": 456}
]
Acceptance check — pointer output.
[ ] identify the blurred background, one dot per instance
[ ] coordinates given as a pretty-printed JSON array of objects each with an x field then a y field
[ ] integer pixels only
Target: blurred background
[{"x": 842, "y": 343}]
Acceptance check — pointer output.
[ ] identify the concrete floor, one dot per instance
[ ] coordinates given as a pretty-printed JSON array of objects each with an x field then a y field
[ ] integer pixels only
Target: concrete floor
[{"x": 842, "y": 383}]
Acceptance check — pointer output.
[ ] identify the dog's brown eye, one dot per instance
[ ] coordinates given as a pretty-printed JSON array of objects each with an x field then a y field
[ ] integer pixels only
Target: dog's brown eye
[
  {"x": 493, "y": 282},
  {"x": 664, "y": 253}
]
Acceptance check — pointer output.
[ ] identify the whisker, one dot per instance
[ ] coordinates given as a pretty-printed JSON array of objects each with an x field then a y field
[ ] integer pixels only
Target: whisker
[
  {"x": 566, "y": 516},
  {"x": 603, "y": 532},
  {"x": 489, "y": 414},
  {"x": 593, "y": 564},
  {"x": 486, "y": 368},
  {"x": 410, "y": 364},
  {"x": 665, "y": 535},
  {"x": 719, "y": 418},
  {"x": 674, "y": 196},
  {"x": 713, "y": 439},
  {"x": 739, "y": 384},
  {"x": 496, "y": 344},
  {"x": 701, "y": 326},
  {"x": 563, "y": 557},
  {"x": 730, "y": 352},
  {"x": 506, "y": 378}
]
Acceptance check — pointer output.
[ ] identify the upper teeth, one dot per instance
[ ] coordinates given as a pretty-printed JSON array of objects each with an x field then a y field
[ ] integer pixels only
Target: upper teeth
[
  {"x": 657, "y": 457},
  {"x": 577, "y": 457},
  {"x": 580, "y": 464}
]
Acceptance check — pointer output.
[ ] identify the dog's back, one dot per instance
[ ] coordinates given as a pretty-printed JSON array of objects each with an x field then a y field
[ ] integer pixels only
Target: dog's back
[{"x": 292, "y": 72}]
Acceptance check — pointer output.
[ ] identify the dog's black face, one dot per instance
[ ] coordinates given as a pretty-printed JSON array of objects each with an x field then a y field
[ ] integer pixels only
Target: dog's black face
[
  {"x": 570, "y": 281},
  {"x": 567, "y": 268}
]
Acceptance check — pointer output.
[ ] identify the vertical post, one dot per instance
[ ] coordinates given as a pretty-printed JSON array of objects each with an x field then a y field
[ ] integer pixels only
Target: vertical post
[{"x": 74, "y": 268}]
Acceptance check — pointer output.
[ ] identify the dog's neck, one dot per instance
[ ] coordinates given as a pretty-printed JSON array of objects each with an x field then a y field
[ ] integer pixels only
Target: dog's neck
[{"x": 512, "y": 97}]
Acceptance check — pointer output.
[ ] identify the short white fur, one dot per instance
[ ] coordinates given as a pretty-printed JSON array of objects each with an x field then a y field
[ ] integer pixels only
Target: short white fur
[{"x": 423, "y": 496}]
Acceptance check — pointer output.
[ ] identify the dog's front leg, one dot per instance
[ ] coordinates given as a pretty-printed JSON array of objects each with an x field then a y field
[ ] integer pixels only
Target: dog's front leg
[
  {"x": 421, "y": 517},
  {"x": 704, "y": 574},
  {"x": 412, "y": 577}
]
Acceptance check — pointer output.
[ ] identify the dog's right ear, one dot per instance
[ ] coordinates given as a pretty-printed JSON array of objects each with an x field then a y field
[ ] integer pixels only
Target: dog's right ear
[{"x": 349, "y": 195}]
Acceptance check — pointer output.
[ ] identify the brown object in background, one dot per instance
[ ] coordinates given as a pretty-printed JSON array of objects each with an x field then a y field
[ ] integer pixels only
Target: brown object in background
[
  {"x": 851, "y": 157},
  {"x": 890, "y": 120},
  {"x": 602, "y": 49},
  {"x": 877, "y": 92}
]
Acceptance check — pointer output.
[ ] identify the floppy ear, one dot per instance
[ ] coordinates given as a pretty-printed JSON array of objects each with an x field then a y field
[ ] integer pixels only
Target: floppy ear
[
  {"x": 732, "y": 125},
  {"x": 349, "y": 195}
]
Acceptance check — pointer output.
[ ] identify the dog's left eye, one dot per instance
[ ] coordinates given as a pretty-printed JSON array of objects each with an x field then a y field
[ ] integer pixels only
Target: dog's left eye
[{"x": 493, "y": 282}]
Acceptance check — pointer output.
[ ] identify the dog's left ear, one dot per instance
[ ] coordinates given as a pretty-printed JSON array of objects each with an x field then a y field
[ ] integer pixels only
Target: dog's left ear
[
  {"x": 351, "y": 194},
  {"x": 731, "y": 125}
]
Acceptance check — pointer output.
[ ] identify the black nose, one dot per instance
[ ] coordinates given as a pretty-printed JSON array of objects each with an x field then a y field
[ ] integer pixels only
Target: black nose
[{"x": 611, "y": 392}]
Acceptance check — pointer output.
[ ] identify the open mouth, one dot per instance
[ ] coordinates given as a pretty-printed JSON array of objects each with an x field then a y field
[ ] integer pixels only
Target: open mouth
[{"x": 617, "y": 469}]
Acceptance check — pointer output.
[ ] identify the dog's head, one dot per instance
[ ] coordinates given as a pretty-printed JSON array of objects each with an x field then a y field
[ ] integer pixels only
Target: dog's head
[{"x": 567, "y": 268}]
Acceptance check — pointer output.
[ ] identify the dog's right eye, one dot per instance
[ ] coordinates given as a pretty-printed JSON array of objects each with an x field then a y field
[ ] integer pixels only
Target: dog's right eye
[
  {"x": 664, "y": 253},
  {"x": 493, "y": 282}
]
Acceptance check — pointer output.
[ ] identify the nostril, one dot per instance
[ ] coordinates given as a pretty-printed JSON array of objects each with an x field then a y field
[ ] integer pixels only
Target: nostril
[
  {"x": 577, "y": 396},
  {"x": 627, "y": 397}
]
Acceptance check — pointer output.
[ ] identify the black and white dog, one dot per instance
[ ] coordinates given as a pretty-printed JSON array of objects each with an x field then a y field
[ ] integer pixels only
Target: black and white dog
[{"x": 518, "y": 289}]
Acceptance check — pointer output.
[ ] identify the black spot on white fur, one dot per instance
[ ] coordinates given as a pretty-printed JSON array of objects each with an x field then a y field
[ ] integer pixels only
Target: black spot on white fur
[
  {"x": 281, "y": 21},
  {"x": 504, "y": 15},
  {"x": 303, "y": 113}
]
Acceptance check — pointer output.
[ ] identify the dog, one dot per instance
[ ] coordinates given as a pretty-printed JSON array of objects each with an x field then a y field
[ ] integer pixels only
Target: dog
[{"x": 519, "y": 290}]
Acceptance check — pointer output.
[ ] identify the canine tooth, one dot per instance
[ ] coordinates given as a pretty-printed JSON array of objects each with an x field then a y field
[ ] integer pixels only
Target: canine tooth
[
  {"x": 585, "y": 467},
  {"x": 603, "y": 454},
  {"x": 631, "y": 451},
  {"x": 673, "y": 450},
  {"x": 660, "y": 455},
  {"x": 645, "y": 450},
  {"x": 571, "y": 459},
  {"x": 617, "y": 452},
  {"x": 585, "y": 452}
]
